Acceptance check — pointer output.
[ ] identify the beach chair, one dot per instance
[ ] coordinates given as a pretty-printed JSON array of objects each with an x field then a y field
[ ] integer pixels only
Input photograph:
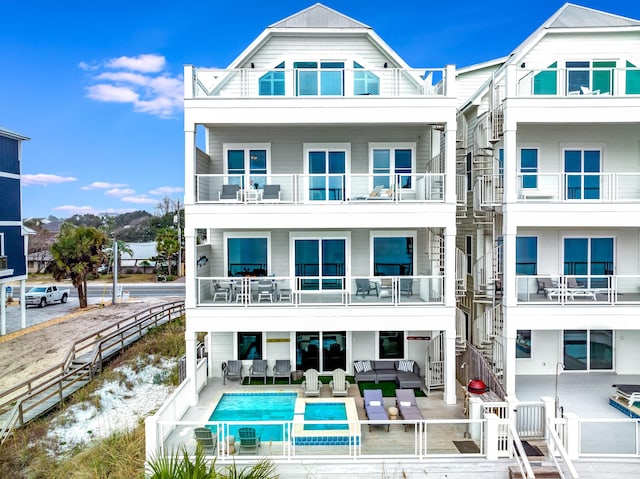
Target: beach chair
[
  {"x": 232, "y": 369},
  {"x": 339, "y": 384},
  {"x": 311, "y": 384},
  {"x": 249, "y": 441},
  {"x": 282, "y": 369},
  {"x": 205, "y": 439},
  {"x": 407, "y": 406},
  {"x": 258, "y": 369},
  {"x": 374, "y": 407}
]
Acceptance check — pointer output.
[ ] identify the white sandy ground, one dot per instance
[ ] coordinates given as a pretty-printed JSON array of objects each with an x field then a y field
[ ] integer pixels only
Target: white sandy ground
[{"x": 123, "y": 404}]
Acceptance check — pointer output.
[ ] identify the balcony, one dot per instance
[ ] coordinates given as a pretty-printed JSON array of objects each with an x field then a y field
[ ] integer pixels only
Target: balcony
[
  {"x": 327, "y": 82},
  {"x": 320, "y": 188},
  {"x": 347, "y": 291},
  {"x": 579, "y": 187},
  {"x": 587, "y": 81},
  {"x": 578, "y": 290}
]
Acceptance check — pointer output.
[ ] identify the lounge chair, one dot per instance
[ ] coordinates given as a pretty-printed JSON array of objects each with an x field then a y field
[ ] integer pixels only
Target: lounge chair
[
  {"x": 628, "y": 392},
  {"x": 282, "y": 369},
  {"x": 311, "y": 384},
  {"x": 229, "y": 193},
  {"x": 374, "y": 407},
  {"x": 258, "y": 369},
  {"x": 271, "y": 193},
  {"x": 231, "y": 370},
  {"x": 205, "y": 439},
  {"x": 339, "y": 384},
  {"x": 407, "y": 406},
  {"x": 249, "y": 442},
  {"x": 364, "y": 286}
]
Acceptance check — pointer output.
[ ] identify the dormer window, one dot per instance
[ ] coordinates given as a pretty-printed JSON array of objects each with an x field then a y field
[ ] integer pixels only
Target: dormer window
[
  {"x": 272, "y": 83},
  {"x": 364, "y": 82},
  {"x": 319, "y": 78}
]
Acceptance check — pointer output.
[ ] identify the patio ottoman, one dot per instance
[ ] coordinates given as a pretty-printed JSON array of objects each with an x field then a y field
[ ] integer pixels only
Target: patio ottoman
[{"x": 408, "y": 381}]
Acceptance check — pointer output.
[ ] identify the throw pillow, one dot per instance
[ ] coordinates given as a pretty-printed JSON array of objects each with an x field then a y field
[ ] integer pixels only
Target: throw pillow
[
  {"x": 358, "y": 366},
  {"x": 374, "y": 403},
  {"x": 366, "y": 366},
  {"x": 405, "y": 366},
  {"x": 405, "y": 403}
]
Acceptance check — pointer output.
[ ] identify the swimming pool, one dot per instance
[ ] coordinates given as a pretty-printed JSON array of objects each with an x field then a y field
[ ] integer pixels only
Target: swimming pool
[{"x": 256, "y": 407}]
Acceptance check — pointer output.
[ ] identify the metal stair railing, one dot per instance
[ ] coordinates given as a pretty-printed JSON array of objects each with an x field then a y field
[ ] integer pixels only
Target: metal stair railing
[{"x": 65, "y": 378}]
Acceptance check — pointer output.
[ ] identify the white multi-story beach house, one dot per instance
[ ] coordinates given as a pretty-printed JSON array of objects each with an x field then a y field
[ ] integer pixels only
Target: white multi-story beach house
[
  {"x": 550, "y": 144},
  {"x": 321, "y": 215}
]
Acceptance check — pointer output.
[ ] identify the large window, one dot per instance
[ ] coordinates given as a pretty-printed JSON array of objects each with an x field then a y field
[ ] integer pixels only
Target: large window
[
  {"x": 590, "y": 76},
  {"x": 581, "y": 169},
  {"x": 364, "y": 82},
  {"x": 249, "y": 346},
  {"x": 241, "y": 161},
  {"x": 272, "y": 83},
  {"x": 393, "y": 256},
  {"x": 588, "y": 349},
  {"x": 523, "y": 344},
  {"x": 320, "y": 263},
  {"x": 247, "y": 256},
  {"x": 526, "y": 255},
  {"x": 529, "y": 167},
  {"x": 319, "y": 78},
  {"x": 632, "y": 79},
  {"x": 391, "y": 344},
  {"x": 324, "y": 351},
  {"x": 392, "y": 165},
  {"x": 546, "y": 81}
]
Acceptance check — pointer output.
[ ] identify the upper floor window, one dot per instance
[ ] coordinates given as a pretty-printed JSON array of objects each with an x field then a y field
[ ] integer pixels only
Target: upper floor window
[
  {"x": 527, "y": 255},
  {"x": 272, "y": 83},
  {"x": 319, "y": 78},
  {"x": 241, "y": 160},
  {"x": 529, "y": 167},
  {"x": 586, "y": 77},
  {"x": 392, "y": 165},
  {"x": 364, "y": 82},
  {"x": 632, "y": 79}
]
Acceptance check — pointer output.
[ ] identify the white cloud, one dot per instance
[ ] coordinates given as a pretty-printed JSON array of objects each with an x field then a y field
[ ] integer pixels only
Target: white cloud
[
  {"x": 166, "y": 190},
  {"x": 119, "y": 192},
  {"x": 73, "y": 209},
  {"x": 103, "y": 185},
  {"x": 44, "y": 179},
  {"x": 141, "y": 81},
  {"x": 141, "y": 200},
  {"x": 147, "y": 63}
]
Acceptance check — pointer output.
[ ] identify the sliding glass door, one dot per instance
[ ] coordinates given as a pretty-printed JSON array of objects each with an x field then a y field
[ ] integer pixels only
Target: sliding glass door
[
  {"x": 590, "y": 260},
  {"x": 320, "y": 263},
  {"x": 586, "y": 350},
  {"x": 326, "y": 175},
  {"x": 321, "y": 350}
]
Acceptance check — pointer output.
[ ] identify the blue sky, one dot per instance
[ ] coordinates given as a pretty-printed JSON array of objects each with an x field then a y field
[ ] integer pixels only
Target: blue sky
[{"x": 97, "y": 86}]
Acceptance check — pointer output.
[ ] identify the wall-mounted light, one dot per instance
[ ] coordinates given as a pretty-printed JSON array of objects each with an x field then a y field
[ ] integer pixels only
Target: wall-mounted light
[
  {"x": 252, "y": 65},
  {"x": 523, "y": 64},
  {"x": 385, "y": 64}
]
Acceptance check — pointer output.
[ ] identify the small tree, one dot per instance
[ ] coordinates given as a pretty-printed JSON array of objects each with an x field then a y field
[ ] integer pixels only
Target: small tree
[
  {"x": 76, "y": 253},
  {"x": 168, "y": 245}
]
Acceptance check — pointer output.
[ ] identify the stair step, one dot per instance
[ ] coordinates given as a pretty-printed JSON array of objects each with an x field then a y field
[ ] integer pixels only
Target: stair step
[{"x": 539, "y": 471}]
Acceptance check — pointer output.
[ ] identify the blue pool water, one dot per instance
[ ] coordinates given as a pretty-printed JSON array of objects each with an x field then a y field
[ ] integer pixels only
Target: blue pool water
[
  {"x": 256, "y": 407},
  {"x": 325, "y": 412}
]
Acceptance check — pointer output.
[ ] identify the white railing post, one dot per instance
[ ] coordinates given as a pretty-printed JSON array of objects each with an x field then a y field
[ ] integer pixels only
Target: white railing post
[
  {"x": 572, "y": 436},
  {"x": 549, "y": 413},
  {"x": 475, "y": 414},
  {"x": 491, "y": 436},
  {"x": 151, "y": 437}
]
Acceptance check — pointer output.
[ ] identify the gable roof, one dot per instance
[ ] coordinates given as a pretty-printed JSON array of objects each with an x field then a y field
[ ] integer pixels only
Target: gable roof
[
  {"x": 576, "y": 16},
  {"x": 12, "y": 134},
  {"x": 318, "y": 16}
]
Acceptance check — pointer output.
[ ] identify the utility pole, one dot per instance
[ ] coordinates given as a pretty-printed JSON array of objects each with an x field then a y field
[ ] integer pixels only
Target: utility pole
[
  {"x": 115, "y": 270},
  {"x": 176, "y": 219}
]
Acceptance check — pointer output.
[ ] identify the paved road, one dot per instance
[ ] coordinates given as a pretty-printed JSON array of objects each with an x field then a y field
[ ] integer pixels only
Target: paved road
[{"x": 98, "y": 293}]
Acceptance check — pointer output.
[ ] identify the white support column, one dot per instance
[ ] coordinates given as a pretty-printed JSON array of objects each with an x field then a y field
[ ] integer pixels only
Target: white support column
[
  {"x": 191, "y": 343},
  {"x": 190, "y": 283},
  {"x": 450, "y": 161},
  {"x": 549, "y": 413},
  {"x": 475, "y": 412},
  {"x": 491, "y": 436},
  {"x": 572, "y": 436},
  {"x": 450, "y": 269},
  {"x": 23, "y": 303},
  {"x": 450, "y": 362},
  {"x": 189, "y": 164}
]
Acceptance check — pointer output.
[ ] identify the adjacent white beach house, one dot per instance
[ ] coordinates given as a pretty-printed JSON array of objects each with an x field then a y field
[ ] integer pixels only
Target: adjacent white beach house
[{"x": 346, "y": 207}]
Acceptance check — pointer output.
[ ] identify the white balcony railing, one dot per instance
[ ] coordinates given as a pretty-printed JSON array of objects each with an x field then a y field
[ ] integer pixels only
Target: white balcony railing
[
  {"x": 381, "y": 83},
  {"x": 488, "y": 191},
  {"x": 286, "y": 291},
  {"x": 577, "y": 187},
  {"x": 320, "y": 188},
  {"x": 578, "y": 290},
  {"x": 579, "y": 81}
]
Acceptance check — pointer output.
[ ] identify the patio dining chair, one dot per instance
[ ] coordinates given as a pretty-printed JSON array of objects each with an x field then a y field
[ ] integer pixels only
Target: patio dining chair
[
  {"x": 229, "y": 193},
  {"x": 205, "y": 439},
  {"x": 258, "y": 369},
  {"x": 271, "y": 193},
  {"x": 282, "y": 369},
  {"x": 232, "y": 369},
  {"x": 406, "y": 286},
  {"x": 364, "y": 287}
]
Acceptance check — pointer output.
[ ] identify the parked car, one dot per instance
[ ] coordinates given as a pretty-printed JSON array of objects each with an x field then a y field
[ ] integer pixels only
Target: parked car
[
  {"x": 103, "y": 268},
  {"x": 46, "y": 294}
]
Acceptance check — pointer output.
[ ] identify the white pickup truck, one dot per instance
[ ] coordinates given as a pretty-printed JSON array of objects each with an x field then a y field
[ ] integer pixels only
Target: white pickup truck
[{"x": 46, "y": 294}]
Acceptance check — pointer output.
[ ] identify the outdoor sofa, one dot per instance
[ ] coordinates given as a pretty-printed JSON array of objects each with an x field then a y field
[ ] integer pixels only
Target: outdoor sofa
[{"x": 405, "y": 373}]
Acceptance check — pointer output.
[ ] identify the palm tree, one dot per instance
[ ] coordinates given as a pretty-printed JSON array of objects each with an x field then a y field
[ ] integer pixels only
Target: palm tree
[{"x": 168, "y": 245}]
